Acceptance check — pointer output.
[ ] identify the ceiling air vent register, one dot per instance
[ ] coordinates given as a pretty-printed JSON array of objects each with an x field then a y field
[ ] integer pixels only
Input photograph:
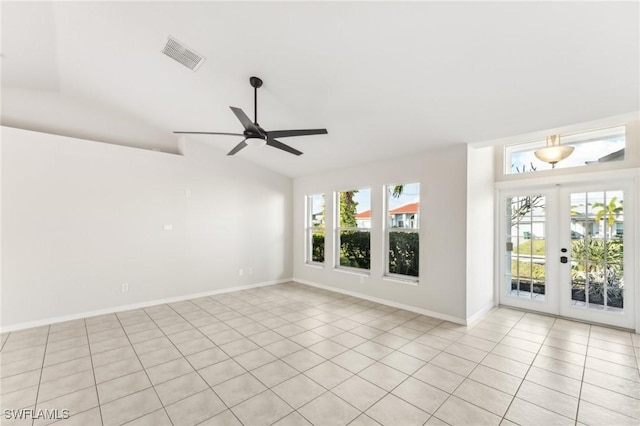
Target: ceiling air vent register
[{"x": 181, "y": 53}]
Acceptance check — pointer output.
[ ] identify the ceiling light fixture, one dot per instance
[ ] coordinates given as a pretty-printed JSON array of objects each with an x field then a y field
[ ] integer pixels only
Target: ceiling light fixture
[
  {"x": 553, "y": 151},
  {"x": 255, "y": 142}
]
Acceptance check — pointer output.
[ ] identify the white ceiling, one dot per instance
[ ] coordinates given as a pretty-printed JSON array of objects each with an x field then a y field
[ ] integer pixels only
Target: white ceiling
[{"x": 386, "y": 79}]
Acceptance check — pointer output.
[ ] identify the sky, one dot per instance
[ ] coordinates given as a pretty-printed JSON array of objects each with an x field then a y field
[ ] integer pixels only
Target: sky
[
  {"x": 583, "y": 152},
  {"x": 411, "y": 194}
]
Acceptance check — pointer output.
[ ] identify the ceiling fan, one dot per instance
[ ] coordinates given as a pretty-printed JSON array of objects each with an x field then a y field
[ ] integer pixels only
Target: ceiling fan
[{"x": 255, "y": 135}]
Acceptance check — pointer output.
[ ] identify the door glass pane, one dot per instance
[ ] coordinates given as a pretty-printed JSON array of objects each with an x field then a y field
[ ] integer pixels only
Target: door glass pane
[
  {"x": 526, "y": 247},
  {"x": 597, "y": 247}
]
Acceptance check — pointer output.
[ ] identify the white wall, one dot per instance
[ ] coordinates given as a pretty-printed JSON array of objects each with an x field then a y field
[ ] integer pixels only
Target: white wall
[
  {"x": 443, "y": 236},
  {"x": 480, "y": 230},
  {"x": 49, "y": 111},
  {"x": 79, "y": 218}
]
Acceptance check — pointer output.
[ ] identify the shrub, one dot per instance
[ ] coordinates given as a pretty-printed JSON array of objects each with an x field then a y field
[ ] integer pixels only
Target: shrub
[
  {"x": 404, "y": 253},
  {"x": 317, "y": 250},
  {"x": 355, "y": 249}
]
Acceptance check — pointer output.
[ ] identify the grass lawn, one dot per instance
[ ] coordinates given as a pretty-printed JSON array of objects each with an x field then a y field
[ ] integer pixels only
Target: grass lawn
[
  {"x": 524, "y": 270},
  {"x": 525, "y": 247}
]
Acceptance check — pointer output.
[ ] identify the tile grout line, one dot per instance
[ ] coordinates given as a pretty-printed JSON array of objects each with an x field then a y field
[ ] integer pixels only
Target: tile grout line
[
  {"x": 44, "y": 355},
  {"x": 4, "y": 342},
  {"x": 269, "y": 388},
  {"x": 93, "y": 371},
  {"x": 584, "y": 370},
  {"x": 479, "y": 363},
  {"x": 555, "y": 390},
  {"x": 334, "y": 305},
  {"x": 146, "y": 374},
  {"x": 376, "y": 360},
  {"x": 196, "y": 370},
  {"x": 306, "y": 347}
]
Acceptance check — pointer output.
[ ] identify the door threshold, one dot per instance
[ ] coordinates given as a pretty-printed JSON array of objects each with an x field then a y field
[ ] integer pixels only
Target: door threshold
[{"x": 613, "y": 327}]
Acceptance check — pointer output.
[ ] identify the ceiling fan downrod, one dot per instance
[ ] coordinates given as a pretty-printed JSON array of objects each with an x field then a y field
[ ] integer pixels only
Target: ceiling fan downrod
[{"x": 255, "y": 83}]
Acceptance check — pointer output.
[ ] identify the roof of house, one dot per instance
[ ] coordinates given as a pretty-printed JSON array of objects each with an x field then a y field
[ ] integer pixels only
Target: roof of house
[
  {"x": 407, "y": 208},
  {"x": 364, "y": 215}
]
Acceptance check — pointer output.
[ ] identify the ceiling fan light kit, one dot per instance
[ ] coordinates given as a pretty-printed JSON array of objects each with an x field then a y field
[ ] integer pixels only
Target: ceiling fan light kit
[
  {"x": 256, "y": 136},
  {"x": 256, "y": 142}
]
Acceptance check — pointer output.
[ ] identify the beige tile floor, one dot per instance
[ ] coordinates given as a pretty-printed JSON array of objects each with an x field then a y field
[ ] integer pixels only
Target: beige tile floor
[{"x": 295, "y": 355}]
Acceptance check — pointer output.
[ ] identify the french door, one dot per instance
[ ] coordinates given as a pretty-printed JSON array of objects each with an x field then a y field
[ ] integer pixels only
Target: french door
[{"x": 568, "y": 250}]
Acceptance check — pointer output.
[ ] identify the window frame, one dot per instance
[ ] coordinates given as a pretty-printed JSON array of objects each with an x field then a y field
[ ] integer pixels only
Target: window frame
[
  {"x": 310, "y": 229},
  {"x": 338, "y": 229},
  {"x": 580, "y": 137},
  {"x": 387, "y": 229}
]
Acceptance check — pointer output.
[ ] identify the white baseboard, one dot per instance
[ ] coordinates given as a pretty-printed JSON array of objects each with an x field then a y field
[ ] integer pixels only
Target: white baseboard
[
  {"x": 54, "y": 320},
  {"x": 481, "y": 313},
  {"x": 386, "y": 302}
]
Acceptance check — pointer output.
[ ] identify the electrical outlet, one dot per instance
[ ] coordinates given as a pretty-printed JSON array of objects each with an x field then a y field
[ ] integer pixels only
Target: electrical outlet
[
  {"x": 361, "y": 280},
  {"x": 250, "y": 271},
  {"x": 241, "y": 272},
  {"x": 125, "y": 287}
]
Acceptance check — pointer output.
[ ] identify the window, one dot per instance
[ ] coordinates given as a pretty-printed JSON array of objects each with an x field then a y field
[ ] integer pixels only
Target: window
[
  {"x": 402, "y": 233},
  {"x": 315, "y": 229},
  {"x": 594, "y": 147},
  {"x": 353, "y": 237}
]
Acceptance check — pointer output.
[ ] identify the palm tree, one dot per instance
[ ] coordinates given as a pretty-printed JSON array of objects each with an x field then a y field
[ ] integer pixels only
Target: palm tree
[{"x": 611, "y": 211}]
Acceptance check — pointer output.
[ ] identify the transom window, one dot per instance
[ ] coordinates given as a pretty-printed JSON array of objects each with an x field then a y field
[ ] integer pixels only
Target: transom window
[{"x": 594, "y": 147}]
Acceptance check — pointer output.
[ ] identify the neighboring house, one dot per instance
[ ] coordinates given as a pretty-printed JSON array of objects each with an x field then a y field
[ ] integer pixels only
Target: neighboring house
[
  {"x": 363, "y": 220},
  {"x": 406, "y": 216},
  {"x": 580, "y": 226},
  {"x": 588, "y": 226},
  {"x": 317, "y": 219}
]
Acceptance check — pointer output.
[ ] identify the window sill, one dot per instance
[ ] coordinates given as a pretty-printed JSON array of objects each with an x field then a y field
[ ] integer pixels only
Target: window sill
[
  {"x": 353, "y": 271},
  {"x": 400, "y": 280},
  {"x": 314, "y": 265}
]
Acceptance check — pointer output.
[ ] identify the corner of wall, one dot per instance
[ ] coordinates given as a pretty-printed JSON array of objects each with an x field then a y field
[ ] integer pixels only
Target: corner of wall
[{"x": 480, "y": 231}]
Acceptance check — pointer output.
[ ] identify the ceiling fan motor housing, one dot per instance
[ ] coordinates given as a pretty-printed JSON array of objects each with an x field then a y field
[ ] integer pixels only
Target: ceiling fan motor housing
[{"x": 256, "y": 82}]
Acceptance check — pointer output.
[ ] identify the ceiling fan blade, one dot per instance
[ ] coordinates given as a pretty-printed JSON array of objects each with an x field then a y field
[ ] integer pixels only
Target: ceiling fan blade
[
  {"x": 209, "y": 133},
  {"x": 238, "y": 147},
  {"x": 246, "y": 121},
  {"x": 277, "y": 144},
  {"x": 287, "y": 133}
]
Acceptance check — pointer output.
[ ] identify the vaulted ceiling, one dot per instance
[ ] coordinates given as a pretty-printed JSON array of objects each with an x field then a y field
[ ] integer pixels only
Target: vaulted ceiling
[{"x": 385, "y": 78}]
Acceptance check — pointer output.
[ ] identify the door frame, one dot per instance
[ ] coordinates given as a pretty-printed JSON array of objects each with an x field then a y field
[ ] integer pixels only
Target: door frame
[
  {"x": 627, "y": 179},
  {"x": 631, "y": 307}
]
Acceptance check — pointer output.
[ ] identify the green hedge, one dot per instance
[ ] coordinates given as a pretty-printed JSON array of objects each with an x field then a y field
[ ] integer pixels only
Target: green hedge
[
  {"x": 317, "y": 252},
  {"x": 355, "y": 251},
  {"x": 404, "y": 253}
]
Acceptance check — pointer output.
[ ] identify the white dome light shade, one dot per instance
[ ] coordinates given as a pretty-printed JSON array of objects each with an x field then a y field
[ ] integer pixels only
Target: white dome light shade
[
  {"x": 553, "y": 153},
  {"x": 256, "y": 142}
]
